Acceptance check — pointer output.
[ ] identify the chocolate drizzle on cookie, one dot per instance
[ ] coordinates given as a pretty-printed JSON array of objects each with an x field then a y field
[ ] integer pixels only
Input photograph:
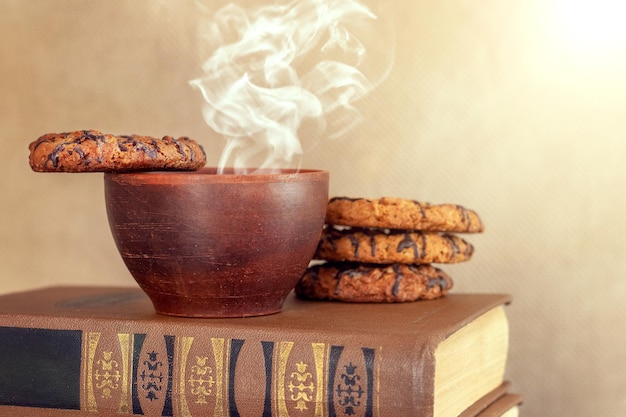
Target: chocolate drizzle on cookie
[
  {"x": 53, "y": 157},
  {"x": 438, "y": 281},
  {"x": 349, "y": 274},
  {"x": 409, "y": 243},
  {"x": 74, "y": 145},
  {"x": 355, "y": 244},
  {"x": 420, "y": 207},
  {"x": 395, "y": 290},
  {"x": 150, "y": 147}
]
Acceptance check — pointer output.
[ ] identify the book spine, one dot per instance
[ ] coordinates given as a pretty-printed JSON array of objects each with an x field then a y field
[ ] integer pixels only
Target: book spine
[{"x": 102, "y": 371}]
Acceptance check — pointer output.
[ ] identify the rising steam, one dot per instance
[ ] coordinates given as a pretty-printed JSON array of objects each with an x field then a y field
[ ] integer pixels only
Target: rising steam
[{"x": 281, "y": 71}]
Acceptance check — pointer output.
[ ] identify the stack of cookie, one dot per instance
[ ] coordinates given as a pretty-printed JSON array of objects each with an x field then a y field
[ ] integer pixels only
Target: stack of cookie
[{"x": 382, "y": 250}]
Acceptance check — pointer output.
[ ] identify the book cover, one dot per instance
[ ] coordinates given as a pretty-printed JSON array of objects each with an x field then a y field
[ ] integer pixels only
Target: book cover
[
  {"x": 498, "y": 403},
  {"x": 103, "y": 351},
  {"x": 505, "y": 406}
]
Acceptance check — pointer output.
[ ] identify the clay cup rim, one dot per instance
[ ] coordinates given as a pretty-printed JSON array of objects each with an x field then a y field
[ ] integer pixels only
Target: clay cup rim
[{"x": 211, "y": 175}]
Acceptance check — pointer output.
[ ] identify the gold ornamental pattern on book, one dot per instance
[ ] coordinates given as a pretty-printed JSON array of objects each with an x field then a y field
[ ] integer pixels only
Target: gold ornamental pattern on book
[{"x": 195, "y": 376}]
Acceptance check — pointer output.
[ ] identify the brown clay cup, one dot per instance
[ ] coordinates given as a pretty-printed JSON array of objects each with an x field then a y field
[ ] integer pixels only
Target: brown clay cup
[{"x": 203, "y": 244}]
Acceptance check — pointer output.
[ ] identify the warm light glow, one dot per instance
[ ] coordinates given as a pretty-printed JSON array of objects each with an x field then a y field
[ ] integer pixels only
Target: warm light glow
[{"x": 590, "y": 27}]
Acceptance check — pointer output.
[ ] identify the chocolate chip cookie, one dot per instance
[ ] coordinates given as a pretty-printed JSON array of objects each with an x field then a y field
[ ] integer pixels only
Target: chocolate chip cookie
[
  {"x": 358, "y": 282},
  {"x": 398, "y": 213},
  {"x": 383, "y": 246},
  {"x": 94, "y": 151}
]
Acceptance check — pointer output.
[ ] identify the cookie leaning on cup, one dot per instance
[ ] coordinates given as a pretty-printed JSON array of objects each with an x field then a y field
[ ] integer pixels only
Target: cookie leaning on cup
[{"x": 94, "y": 151}]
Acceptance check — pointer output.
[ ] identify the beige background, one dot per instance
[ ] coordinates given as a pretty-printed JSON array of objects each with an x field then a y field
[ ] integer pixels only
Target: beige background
[{"x": 509, "y": 108}]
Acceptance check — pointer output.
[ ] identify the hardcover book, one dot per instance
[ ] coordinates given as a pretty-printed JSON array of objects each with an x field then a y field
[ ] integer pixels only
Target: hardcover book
[{"x": 100, "y": 351}]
